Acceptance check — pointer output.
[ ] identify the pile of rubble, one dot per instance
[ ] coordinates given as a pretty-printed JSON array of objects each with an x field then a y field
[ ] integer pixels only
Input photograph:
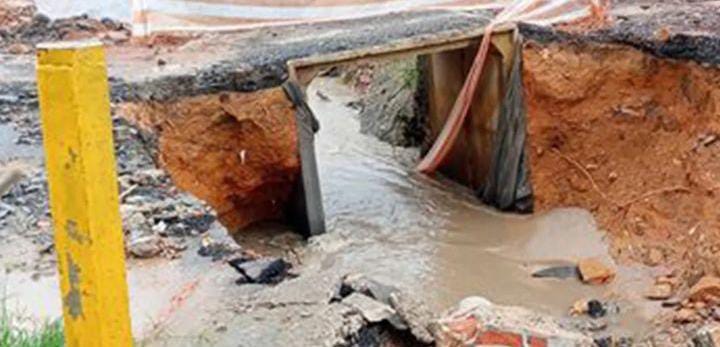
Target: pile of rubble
[
  {"x": 157, "y": 217},
  {"x": 21, "y": 28}
]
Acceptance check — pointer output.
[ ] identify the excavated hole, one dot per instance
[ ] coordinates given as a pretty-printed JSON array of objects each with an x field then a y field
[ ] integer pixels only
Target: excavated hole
[{"x": 632, "y": 138}]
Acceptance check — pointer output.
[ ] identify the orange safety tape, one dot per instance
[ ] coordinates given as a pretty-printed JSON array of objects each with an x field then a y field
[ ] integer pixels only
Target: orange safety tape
[{"x": 448, "y": 136}]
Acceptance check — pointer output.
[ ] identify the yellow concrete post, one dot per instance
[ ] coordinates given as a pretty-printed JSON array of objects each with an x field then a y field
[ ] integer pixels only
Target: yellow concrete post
[{"x": 80, "y": 161}]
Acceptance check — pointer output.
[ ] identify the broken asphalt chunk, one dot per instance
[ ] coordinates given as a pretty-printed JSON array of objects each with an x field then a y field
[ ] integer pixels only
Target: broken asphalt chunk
[
  {"x": 357, "y": 283},
  {"x": 261, "y": 271},
  {"x": 372, "y": 310}
]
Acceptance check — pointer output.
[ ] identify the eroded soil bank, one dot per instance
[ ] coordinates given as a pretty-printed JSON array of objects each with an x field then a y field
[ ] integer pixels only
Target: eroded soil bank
[
  {"x": 236, "y": 151},
  {"x": 634, "y": 139}
]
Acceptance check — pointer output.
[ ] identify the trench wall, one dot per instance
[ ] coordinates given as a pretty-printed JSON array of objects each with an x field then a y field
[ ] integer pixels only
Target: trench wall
[
  {"x": 632, "y": 138},
  {"x": 236, "y": 151}
]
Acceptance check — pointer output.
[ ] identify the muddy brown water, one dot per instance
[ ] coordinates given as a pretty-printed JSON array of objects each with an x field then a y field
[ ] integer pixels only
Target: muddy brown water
[
  {"x": 433, "y": 238},
  {"x": 428, "y": 236}
]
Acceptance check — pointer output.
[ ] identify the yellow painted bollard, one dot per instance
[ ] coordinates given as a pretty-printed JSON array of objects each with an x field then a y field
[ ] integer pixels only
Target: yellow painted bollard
[{"x": 80, "y": 162}]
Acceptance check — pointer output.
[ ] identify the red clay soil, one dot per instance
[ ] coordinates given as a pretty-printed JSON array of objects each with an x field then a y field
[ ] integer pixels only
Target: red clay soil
[
  {"x": 634, "y": 139},
  {"x": 236, "y": 151}
]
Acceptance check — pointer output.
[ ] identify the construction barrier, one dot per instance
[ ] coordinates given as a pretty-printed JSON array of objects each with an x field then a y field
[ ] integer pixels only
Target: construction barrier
[
  {"x": 151, "y": 16},
  {"x": 80, "y": 162}
]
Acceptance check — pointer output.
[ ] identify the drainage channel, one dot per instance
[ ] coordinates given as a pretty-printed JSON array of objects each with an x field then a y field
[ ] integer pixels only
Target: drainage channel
[{"x": 434, "y": 239}]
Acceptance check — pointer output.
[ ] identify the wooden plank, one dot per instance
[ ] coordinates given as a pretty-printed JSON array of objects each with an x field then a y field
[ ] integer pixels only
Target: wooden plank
[
  {"x": 302, "y": 70},
  {"x": 306, "y": 210},
  {"x": 80, "y": 161}
]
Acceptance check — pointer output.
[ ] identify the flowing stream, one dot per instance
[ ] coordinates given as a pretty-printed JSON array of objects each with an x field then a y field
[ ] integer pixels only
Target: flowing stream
[{"x": 433, "y": 237}]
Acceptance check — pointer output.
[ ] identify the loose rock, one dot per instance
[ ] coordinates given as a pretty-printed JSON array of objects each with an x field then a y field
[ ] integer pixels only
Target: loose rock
[
  {"x": 217, "y": 250},
  {"x": 372, "y": 310},
  {"x": 707, "y": 289},
  {"x": 418, "y": 317},
  {"x": 593, "y": 271},
  {"x": 358, "y": 283},
  {"x": 261, "y": 271},
  {"x": 596, "y": 309},
  {"x": 660, "y": 291},
  {"x": 144, "y": 247},
  {"x": 655, "y": 257}
]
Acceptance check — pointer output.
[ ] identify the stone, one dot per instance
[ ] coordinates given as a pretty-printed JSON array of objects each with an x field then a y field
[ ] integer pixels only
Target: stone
[
  {"x": 217, "y": 250},
  {"x": 117, "y": 36},
  {"x": 655, "y": 257},
  {"x": 660, "y": 291},
  {"x": 415, "y": 314},
  {"x": 596, "y": 309},
  {"x": 593, "y": 271},
  {"x": 561, "y": 272},
  {"x": 707, "y": 288},
  {"x": 593, "y": 308},
  {"x": 261, "y": 271},
  {"x": 19, "y": 48},
  {"x": 685, "y": 315},
  {"x": 358, "y": 283},
  {"x": 580, "y": 307},
  {"x": 145, "y": 247},
  {"x": 372, "y": 310}
]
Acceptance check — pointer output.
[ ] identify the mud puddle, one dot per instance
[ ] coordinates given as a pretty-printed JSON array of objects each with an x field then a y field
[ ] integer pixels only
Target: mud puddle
[
  {"x": 433, "y": 239},
  {"x": 172, "y": 302}
]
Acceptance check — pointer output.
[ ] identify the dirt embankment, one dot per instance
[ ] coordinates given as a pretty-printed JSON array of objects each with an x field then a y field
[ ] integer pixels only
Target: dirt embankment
[
  {"x": 236, "y": 151},
  {"x": 633, "y": 138}
]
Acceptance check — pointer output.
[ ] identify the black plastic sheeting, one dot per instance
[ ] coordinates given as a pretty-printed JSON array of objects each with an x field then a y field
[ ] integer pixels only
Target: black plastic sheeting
[{"x": 508, "y": 184}]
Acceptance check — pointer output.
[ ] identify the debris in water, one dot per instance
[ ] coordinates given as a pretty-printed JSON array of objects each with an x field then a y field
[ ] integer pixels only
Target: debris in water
[
  {"x": 580, "y": 307},
  {"x": 593, "y": 271},
  {"x": 260, "y": 271},
  {"x": 596, "y": 309},
  {"x": 593, "y": 308},
  {"x": 562, "y": 272}
]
